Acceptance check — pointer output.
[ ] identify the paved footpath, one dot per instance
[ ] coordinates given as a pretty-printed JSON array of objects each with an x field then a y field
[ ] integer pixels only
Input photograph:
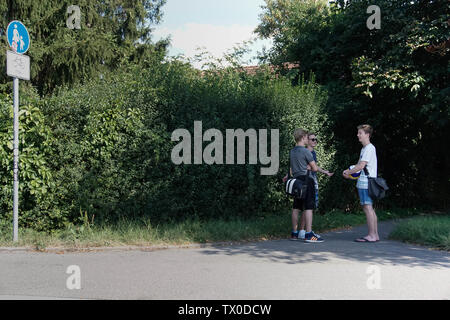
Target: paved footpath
[{"x": 336, "y": 269}]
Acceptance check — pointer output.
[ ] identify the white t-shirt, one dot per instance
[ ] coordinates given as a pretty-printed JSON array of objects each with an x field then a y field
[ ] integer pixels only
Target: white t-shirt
[{"x": 369, "y": 155}]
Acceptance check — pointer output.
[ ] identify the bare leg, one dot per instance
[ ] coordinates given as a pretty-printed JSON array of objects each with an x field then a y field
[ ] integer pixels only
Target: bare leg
[
  {"x": 371, "y": 222},
  {"x": 303, "y": 222},
  {"x": 376, "y": 224},
  {"x": 294, "y": 219},
  {"x": 308, "y": 219}
]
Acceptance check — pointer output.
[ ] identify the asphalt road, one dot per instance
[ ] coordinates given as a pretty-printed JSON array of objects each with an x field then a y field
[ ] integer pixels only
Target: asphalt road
[{"x": 336, "y": 269}]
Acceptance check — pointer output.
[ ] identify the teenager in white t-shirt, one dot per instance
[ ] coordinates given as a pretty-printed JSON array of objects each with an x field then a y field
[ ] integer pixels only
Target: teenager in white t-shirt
[{"x": 367, "y": 159}]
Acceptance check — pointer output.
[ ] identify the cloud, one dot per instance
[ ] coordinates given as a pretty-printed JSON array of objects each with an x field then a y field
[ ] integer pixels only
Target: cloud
[{"x": 216, "y": 39}]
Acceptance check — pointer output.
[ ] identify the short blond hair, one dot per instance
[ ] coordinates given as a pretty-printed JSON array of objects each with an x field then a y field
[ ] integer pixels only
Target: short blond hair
[
  {"x": 299, "y": 134},
  {"x": 367, "y": 128}
]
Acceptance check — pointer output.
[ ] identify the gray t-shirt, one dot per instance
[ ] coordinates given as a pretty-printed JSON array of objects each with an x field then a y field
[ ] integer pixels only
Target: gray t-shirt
[{"x": 300, "y": 157}]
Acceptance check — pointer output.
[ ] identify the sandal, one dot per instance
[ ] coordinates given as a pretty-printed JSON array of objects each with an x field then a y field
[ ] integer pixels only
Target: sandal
[{"x": 364, "y": 240}]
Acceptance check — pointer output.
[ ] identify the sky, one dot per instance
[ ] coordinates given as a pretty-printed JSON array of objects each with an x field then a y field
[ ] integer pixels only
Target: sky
[{"x": 214, "y": 25}]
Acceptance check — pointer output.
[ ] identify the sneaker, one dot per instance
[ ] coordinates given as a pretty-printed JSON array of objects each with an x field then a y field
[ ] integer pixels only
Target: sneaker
[
  {"x": 312, "y": 237},
  {"x": 301, "y": 234},
  {"x": 294, "y": 236}
]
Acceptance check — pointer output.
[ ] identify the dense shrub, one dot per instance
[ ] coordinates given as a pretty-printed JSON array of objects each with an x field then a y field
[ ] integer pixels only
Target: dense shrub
[
  {"x": 36, "y": 179},
  {"x": 106, "y": 145}
]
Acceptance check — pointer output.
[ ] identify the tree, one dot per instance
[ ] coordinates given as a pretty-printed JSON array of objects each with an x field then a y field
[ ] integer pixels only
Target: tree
[
  {"x": 285, "y": 22},
  {"x": 391, "y": 78},
  {"x": 112, "y": 33}
]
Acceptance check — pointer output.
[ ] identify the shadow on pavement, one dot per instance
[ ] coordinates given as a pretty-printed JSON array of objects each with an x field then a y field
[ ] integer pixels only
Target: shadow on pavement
[{"x": 341, "y": 245}]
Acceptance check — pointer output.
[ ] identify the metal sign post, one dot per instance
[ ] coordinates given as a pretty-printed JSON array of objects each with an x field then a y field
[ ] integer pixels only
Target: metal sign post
[
  {"x": 17, "y": 66},
  {"x": 16, "y": 161}
]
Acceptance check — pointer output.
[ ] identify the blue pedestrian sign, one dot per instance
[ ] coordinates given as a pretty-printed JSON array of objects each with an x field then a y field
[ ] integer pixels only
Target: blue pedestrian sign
[{"x": 18, "y": 37}]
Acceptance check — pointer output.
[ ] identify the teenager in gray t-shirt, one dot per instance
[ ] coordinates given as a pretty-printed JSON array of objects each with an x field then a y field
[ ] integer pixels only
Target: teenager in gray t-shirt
[{"x": 300, "y": 157}]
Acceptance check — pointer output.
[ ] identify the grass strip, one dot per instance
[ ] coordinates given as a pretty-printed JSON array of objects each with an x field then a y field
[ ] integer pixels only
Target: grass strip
[
  {"x": 146, "y": 233},
  {"x": 432, "y": 231}
]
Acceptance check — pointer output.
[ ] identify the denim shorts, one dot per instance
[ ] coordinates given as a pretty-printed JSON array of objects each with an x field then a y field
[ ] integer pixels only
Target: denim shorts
[{"x": 364, "y": 197}]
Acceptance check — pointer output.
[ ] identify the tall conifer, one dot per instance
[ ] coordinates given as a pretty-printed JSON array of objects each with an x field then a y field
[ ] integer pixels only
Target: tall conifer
[{"x": 113, "y": 32}]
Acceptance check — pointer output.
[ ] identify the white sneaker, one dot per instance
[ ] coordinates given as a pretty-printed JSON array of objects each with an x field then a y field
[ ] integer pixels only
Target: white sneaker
[{"x": 301, "y": 234}]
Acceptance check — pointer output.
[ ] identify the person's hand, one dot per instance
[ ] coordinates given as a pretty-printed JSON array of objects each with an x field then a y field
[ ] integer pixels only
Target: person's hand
[
  {"x": 285, "y": 178},
  {"x": 328, "y": 173},
  {"x": 345, "y": 174}
]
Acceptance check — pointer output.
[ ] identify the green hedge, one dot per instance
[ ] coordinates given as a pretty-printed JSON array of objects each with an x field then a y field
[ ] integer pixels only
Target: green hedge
[
  {"x": 37, "y": 180},
  {"x": 105, "y": 147}
]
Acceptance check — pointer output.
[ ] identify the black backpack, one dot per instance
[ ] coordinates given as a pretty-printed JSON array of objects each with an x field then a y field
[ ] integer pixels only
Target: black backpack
[{"x": 296, "y": 188}]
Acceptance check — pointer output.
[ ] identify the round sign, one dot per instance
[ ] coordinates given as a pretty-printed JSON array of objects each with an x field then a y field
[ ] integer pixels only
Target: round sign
[{"x": 18, "y": 37}]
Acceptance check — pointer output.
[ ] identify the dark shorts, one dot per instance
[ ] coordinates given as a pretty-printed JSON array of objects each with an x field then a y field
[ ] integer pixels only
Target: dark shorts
[{"x": 309, "y": 203}]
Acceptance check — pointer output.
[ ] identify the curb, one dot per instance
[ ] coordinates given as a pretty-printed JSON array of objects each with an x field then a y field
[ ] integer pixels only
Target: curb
[{"x": 61, "y": 250}]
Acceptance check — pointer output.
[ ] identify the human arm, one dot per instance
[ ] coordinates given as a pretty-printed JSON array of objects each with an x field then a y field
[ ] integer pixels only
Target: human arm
[
  {"x": 358, "y": 167},
  {"x": 287, "y": 175},
  {"x": 313, "y": 166},
  {"x": 328, "y": 173}
]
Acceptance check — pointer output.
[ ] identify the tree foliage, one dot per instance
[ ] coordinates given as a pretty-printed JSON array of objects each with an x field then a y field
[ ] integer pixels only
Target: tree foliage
[
  {"x": 387, "y": 77},
  {"x": 110, "y": 144},
  {"x": 37, "y": 186},
  {"x": 112, "y": 33}
]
